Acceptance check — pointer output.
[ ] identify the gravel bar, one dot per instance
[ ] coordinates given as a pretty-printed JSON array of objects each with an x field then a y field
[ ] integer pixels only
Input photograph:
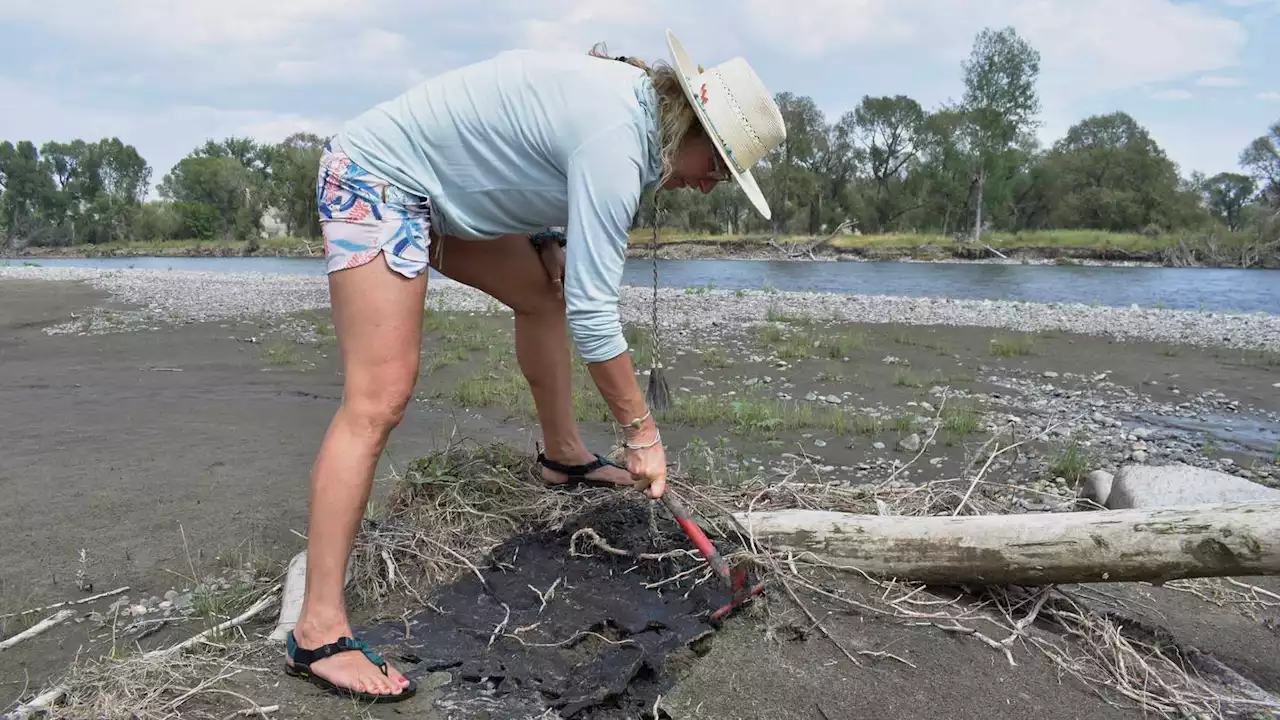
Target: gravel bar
[{"x": 194, "y": 296}]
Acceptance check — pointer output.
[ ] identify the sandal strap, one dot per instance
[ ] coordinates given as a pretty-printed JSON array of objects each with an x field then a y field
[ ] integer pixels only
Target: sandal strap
[
  {"x": 303, "y": 656},
  {"x": 577, "y": 471}
]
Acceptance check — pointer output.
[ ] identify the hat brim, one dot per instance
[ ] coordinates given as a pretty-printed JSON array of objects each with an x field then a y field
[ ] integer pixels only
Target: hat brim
[{"x": 686, "y": 69}]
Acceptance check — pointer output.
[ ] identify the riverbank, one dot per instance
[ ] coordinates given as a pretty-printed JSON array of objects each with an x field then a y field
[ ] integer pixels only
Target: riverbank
[
  {"x": 1047, "y": 247},
  {"x": 160, "y": 427},
  {"x": 196, "y": 296}
]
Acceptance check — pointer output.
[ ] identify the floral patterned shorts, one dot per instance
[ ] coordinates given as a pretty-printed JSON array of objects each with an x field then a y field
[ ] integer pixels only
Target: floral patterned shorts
[{"x": 362, "y": 215}]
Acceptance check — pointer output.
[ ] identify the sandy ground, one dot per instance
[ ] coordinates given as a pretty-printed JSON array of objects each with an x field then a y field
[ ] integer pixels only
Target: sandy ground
[{"x": 169, "y": 455}]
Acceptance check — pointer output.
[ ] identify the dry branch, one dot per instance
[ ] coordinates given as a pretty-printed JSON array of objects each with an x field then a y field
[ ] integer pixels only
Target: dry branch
[
  {"x": 38, "y": 704},
  {"x": 1044, "y": 548},
  {"x": 267, "y": 601},
  {"x": 56, "y": 619},
  {"x": 81, "y": 601}
]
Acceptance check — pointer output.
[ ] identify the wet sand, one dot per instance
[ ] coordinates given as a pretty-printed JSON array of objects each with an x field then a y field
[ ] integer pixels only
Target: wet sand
[{"x": 167, "y": 454}]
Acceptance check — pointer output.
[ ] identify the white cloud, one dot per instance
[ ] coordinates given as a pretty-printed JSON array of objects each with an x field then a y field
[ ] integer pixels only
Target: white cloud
[
  {"x": 1219, "y": 81},
  {"x": 1086, "y": 46},
  {"x": 1171, "y": 95},
  {"x": 235, "y": 43},
  {"x": 162, "y": 137},
  {"x": 1271, "y": 96},
  {"x": 810, "y": 28},
  {"x": 577, "y": 25}
]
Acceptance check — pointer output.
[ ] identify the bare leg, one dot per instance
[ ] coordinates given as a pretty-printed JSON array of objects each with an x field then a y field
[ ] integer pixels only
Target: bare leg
[
  {"x": 377, "y": 315},
  {"x": 508, "y": 269}
]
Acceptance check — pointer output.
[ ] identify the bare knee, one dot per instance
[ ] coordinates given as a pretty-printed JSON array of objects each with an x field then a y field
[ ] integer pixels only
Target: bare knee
[
  {"x": 376, "y": 410},
  {"x": 538, "y": 301}
]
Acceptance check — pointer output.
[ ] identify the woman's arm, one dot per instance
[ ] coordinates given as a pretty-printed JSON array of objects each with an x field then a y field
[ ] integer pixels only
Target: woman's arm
[{"x": 604, "y": 184}]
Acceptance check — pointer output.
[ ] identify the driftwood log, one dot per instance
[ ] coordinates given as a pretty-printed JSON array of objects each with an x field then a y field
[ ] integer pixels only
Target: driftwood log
[{"x": 1154, "y": 545}]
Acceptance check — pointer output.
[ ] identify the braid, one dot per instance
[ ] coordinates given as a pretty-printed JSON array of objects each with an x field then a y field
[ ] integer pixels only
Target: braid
[{"x": 676, "y": 117}]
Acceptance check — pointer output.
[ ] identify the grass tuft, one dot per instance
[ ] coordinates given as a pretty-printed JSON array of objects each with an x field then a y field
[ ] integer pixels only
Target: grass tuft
[
  {"x": 1012, "y": 346},
  {"x": 1070, "y": 461}
]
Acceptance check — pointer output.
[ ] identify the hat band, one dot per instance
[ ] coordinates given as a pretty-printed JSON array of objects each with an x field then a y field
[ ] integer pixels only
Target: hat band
[{"x": 742, "y": 119}]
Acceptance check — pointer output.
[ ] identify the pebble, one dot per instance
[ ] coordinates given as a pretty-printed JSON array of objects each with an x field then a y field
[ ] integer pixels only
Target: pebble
[
  {"x": 1049, "y": 374},
  {"x": 910, "y": 443},
  {"x": 877, "y": 445},
  {"x": 191, "y": 295}
]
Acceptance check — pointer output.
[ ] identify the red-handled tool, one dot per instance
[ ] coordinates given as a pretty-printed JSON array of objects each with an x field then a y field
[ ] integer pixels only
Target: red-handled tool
[{"x": 735, "y": 579}]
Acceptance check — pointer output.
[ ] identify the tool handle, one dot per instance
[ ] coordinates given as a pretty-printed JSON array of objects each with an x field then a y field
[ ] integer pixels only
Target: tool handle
[{"x": 698, "y": 537}]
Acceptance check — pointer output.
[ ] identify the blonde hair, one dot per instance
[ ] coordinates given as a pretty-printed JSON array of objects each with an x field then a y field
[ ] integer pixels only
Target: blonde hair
[{"x": 676, "y": 118}]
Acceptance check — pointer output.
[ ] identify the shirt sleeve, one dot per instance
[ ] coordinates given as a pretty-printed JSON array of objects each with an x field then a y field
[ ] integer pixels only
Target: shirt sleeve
[{"x": 604, "y": 191}]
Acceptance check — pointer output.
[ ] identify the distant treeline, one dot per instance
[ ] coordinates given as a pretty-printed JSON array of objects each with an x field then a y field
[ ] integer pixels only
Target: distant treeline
[{"x": 889, "y": 166}]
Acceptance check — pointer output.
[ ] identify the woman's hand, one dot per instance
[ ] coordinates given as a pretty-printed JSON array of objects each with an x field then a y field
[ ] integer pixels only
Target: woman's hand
[
  {"x": 647, "y": 459},
  {"x": 552, "y": 256}
]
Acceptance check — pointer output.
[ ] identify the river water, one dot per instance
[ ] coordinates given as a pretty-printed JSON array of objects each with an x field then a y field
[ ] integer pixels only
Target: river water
[{"x": 1223, "y": 290}]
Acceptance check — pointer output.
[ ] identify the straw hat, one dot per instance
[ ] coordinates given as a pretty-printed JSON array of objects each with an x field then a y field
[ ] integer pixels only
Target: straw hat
[{"x": 738, "y": 113}]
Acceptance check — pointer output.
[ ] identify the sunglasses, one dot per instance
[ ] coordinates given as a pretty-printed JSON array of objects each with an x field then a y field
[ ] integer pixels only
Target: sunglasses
[{"x": 719, "y": 173}]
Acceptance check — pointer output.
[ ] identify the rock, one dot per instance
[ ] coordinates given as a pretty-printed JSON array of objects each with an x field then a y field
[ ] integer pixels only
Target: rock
[
  {"x": 1097, "y": 486},
  {"x": 170, "y": 595},
  {"x": 166, "y": 605},
  {"x": 811, "y": 396},
  {"x": 833, "y": 399},
  {"x": 819, "y": 443},
  {"x": 877, "y": 445},
  {"x": 910, "y": 443},
  {"x": 1141, "y": 433},
  {"x": 1139, "y": 456},
  {"x": 1139, "y": 486},
  {"x": 1049, "y": 374}
]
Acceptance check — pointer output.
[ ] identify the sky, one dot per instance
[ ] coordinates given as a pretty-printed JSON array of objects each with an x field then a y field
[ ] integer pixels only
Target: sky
[{"x": 165, "y": 75}]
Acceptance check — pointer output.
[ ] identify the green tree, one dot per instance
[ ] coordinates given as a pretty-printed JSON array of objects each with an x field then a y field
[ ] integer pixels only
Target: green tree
[
  {"x": 215, "y": 197},
  {"x": 1111, "y": 175},
  {"x": 1227, "y": 195},
  {"x": 794, "y": 185},
  {"x": 1262, "y": 158},
  {"x": 1000, "y": 104},
  {"x": 27, "y": 193},
  {"x": 292, "y": 166},
  {"x": 887, "y": 129}
]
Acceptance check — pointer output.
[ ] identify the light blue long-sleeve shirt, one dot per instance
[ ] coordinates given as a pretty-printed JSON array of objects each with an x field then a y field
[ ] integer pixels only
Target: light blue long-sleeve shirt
[{"x": 522, "y": 142}]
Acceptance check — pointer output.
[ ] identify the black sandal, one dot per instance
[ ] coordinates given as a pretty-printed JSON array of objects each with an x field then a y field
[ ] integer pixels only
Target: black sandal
[
  {"x": 301, "y": 668},
  {"x": 578, "y": 473}
]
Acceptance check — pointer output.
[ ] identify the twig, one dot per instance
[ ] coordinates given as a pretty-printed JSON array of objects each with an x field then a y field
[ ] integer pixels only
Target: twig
[
  {"x": 38, "y": 704},
  {"x": 570, "y": 641},
  {"x": 81, "y": 601},
  {"x": 977, "y": 478},
  {"x": 250, "y": 712},
  {"x": 545, "y": 596},
  {"x": 1253, "y": 588},
  {"x": 267, "y": 601},
  {"x": 56, "y": 619},
  {"x": 924, "y": 446},
  {"x": 818, "y": 624},
  {"x": 958, "y": 628},
  {"x": 501, "y": 626},
  {"x": 604, "y": 545}
]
